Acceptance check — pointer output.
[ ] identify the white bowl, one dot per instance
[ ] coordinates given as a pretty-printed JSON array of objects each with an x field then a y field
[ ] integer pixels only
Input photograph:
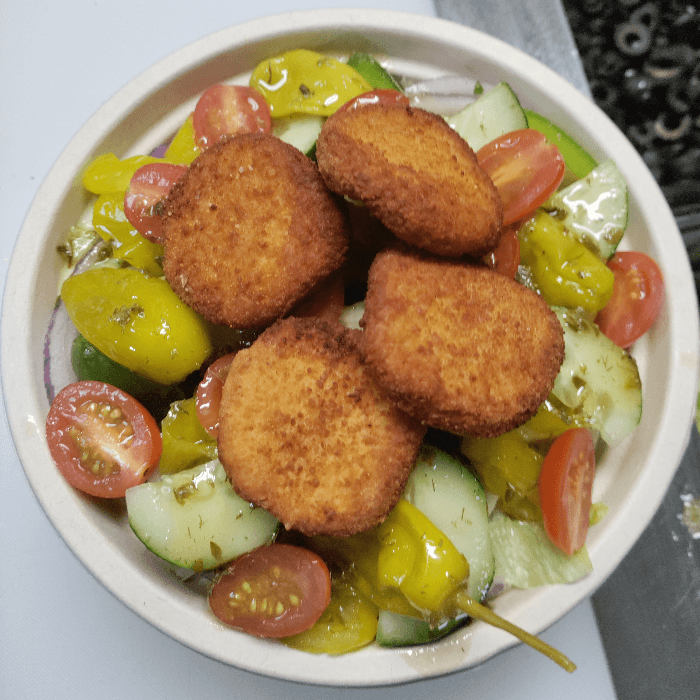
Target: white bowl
[{"x": 631, "y": 479}]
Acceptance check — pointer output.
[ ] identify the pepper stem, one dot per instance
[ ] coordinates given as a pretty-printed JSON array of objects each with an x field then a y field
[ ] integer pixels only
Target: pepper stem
[{"x": 480, "y": 612}]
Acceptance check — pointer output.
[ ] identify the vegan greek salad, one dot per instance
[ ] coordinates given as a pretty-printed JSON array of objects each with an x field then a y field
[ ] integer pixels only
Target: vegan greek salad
[{"x": 139, "y": 418}]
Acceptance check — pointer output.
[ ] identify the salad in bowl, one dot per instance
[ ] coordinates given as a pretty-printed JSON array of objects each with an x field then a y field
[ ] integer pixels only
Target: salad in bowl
[{"x": 223, "y": 396}]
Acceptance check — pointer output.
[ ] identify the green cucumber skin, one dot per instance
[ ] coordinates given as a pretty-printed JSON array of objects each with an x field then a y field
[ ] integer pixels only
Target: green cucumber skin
[
  {"x": 594, "y": 209},
  {"x": 578, "y": 161},
  {"x": 207, "y": 526},
  {"x": 598, "y": 381},
  {"x": 373, "y": 72},
  {"x": 453, "y": 500},
  {"x": 395, "y": 630},
  {"x": 496, "y": 112}
]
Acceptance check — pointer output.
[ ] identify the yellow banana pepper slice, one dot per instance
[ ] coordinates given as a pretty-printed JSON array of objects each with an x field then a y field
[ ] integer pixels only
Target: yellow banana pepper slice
[
  {"x": 418, "y": 559},
  {"x": 306, "y": 82}
]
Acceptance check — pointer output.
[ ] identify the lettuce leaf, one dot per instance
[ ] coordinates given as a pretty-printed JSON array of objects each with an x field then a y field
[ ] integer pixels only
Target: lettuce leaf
[{"x": 525, "y": 557}]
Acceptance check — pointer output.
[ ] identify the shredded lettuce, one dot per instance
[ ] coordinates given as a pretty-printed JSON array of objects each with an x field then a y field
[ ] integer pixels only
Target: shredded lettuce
[{"x": 525, "y": 558}]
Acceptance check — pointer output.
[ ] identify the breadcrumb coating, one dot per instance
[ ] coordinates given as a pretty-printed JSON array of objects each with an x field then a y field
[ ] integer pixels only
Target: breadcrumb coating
[
  {"x": 305, "y": 433},
  {"x": 415, "y": 174},
  {"x": 458, "y": 346},
  {"x": 250, "y": 231}
]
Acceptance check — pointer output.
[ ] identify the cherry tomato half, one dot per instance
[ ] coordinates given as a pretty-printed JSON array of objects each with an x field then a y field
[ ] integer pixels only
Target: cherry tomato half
[
  {"x": 225, "y": 110},
  {"x": 208, "y": 396},
  {"x": 566, "y": 487},
  {"x": 102, "y": 440},
  {"x": 379, "y": 96},
  {"x": 636, "y": 299},
  {"x": 149, "y": 185},
  {"x": 505, "y": 257},
  {"x": 525, "y": 169},
  {"x": 274, "y": 591}
]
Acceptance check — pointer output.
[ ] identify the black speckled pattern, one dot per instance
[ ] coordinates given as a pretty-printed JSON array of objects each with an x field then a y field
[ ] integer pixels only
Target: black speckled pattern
[{"x": 642, "y": 61}]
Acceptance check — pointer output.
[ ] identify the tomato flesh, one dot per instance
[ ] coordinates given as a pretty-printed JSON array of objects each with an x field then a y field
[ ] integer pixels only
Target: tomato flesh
[
  {"x": 274, "y": 591},
  {"x": 525, "y": 169},
  {"x": 101, "y": 439},
  {"x": 379, "y": 96},
  {"x": 149, "y": 185},
  {"x": 226, "y": 110},
  {"x": 566, "y": 488},
  {"x": 636, "y": 298},
  {"x": 209, "y": 392},
  {"x": 505, "y": 257}
]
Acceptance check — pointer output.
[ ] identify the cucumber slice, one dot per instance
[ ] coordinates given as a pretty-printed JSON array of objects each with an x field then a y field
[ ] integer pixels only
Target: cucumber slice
[
  {"x": 494, "y": 113},
  {"x": 598, "y": 382},
  {"x": 594, "y": 208},
  {"x": 373, "y": 72},
  {"x": 194, "y": 519},
  {"x": 454, "y": 500},
  {"x": 300, "y": 131},
  {"x": 394, "y": 630},
  {"x": 578, "y": 161}
]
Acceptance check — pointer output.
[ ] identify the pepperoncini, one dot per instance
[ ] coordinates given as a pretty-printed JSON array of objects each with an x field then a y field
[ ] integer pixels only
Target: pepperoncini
[
  {"x": 509, "y": 465},
  {"x": 416, "y": 558},
  {"x": 306, "y": 82},
  {"x": 419, "y": 560},
  {"x": 185, "y": 442},
  {"x": 128, "y": 244},
  {"x": 359, "y": 555},
  {"x": 107, "y": 173},
  {"x": 183, "y": 149},
  {"x": 137, "y": 321},
  {"x": 412, "y": 558},
  {"x": 561, "y": 267},
  {"x": 348, "y": 623}
]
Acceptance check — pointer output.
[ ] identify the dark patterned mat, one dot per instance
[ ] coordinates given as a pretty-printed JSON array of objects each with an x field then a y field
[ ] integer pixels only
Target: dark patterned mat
[{"x": 642, "y": 60}]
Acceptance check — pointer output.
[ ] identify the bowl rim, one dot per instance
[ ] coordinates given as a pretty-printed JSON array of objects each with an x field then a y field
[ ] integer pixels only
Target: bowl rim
[{"x": 26, "y": 411}]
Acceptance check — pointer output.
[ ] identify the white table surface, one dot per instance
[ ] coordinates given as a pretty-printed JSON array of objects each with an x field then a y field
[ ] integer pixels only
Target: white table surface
[{"x": 61, "y": 634}]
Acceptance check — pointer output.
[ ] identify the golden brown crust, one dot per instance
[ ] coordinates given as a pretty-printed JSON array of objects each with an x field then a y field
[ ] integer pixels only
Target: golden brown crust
[
  {"x": 457, "y": 345},
  {"x": 250, "y": 230},
  {"x": 415, "y": 173},
  {"x": 306, "y": 434}
]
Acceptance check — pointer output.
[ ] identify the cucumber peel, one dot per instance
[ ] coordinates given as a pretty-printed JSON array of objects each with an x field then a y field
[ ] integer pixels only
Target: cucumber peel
[
  {"x": 452, "y": 498},
  {"x": 373, "y": 72},
  {"x": 396, "y": 630},
  {"x": 194, "y": 518},
  {"x": 578, "y": 161}
]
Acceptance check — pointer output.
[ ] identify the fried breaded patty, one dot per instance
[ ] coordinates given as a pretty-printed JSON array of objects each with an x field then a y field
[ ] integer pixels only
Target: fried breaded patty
[
  {"x": 459, "y": 346},
  {"x": 415, "y": 174},
  {"x": 305, "y": 433},
  {"x": 250, "y": 230}
]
